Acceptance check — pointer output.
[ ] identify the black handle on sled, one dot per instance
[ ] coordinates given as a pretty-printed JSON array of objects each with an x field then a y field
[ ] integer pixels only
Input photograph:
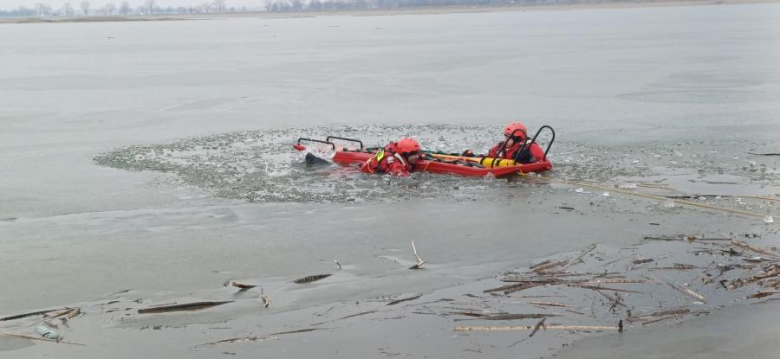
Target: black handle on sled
[
  {"x": 345, "y": 139},
  {"x": 549, "y": 145},
  {"x": 333, "y": 145},
  {"x": 503, "y": 148}
]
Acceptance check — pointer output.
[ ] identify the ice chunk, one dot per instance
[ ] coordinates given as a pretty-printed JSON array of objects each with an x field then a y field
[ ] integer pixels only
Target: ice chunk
[{"x": 47, "y": 332}]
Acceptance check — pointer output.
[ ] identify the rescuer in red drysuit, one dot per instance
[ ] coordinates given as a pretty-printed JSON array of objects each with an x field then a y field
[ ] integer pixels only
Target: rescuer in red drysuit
[
  {"x": 397, "y": 158},
  {"x": 516, "y": 135}
]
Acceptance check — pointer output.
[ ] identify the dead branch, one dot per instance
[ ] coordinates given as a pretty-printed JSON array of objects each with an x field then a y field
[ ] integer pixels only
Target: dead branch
[
  {"x": 598, "y": 287},
  {"x": 763, "y": 154},
  {"x": 663, "y": 238},
  {"x": 31, "y": 337},
  {"x": 772, "y": 271},
  {"x": 536, "y": 328},
  {"x": 68, "y": 313},
  {"x": 664, "y": 313},
  {"x": 182, "y": 307},
  {"x": 677, "y": 266},
  {"x": 582, "y": 254},
  {"x": 404, "y": 299},
  {"x": 358, "y": 314},
  {"x": 260, "y": 338},
  {"x": 550, "y": 304},
  {"x": 420, "y": 261},
  {"x": 236, "y": 340},
  {"x": 507, "y": 289},
  {"x": 311, "y": 278},
  {"x": 642, "y": 261},
  {"x": 542, "y": 268},
  {"x": 531, "y": 327},
  {"x": 744, "y": 245},
  {"x": 686, "y": 291},
  {"x": 25, "y": 315},
  {"x": 762, "y": 294},
  {"x": 615, "y": 281},
  {"x": 242, "y": 287},
  {"x": 504, "y": 316}
]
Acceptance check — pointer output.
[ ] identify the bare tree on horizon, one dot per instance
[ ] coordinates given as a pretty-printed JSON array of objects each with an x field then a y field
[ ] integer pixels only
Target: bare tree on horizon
[
  {"x": 85, "y": 7},
  {"x": 68, "y": 10},
  {"x": 150, "y": 5},
  {"x": 110, "y": 8},
  {"x": 219, "y": 5},
  {"x": 42, "y": 9},
  {"x": 124, "y": 8}
]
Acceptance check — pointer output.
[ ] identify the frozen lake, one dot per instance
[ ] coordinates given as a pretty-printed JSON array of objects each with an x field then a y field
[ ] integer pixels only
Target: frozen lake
[{"x": 677, "y": 95}]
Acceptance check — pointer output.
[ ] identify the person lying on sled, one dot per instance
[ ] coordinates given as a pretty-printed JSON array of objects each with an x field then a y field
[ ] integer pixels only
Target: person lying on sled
[
  {"x": 397, "y": 158},
  {"x": 516, "y": 135}
]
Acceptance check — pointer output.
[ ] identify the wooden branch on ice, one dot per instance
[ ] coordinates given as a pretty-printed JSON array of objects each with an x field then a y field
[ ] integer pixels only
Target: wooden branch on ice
[
  {"x": 598, "y": 287},
  {"x": 505, "y": 316},
  {"x": 31, "y": 337},
  {"x": 531, "y": 327},
  {"x": 686, "y": 291},
  {"x": 420, "y": 261},
  {"x": 311, "y": 278},
  {"x": 744, "y": 245},
  {"x": 769, "y": 272},
  {"x": 579, "y": 257},
  {"x": 536, "y": 328},
  {"x": 614, "y": 281},
  {"x": 550, "y": 304},
  {"x": 242, "y": 287},
  {"x": 404, "y": 299},
  {"x": 664, "y": 313},
  {"x": 542, "y": 268},
  {"x": 181, "y": 307},
  {"x": 762, "y": 294},
  {"x": 257, "y": 338},
  {"x": 25, "y": 315}
]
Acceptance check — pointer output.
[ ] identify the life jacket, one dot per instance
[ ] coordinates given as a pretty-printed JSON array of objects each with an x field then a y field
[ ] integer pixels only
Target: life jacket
[
  {"x": 530, "y": 154},
  {"x": 386, "y": 160}
]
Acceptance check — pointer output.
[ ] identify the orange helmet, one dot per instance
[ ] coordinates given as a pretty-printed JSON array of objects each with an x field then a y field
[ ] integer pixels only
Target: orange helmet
[
  {"x": 515, "y": 129},
  {"x": 407, "y": 145}
]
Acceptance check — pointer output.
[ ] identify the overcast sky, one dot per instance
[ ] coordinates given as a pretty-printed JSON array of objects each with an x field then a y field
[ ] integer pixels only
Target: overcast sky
[{"x": 11, "y": 4}]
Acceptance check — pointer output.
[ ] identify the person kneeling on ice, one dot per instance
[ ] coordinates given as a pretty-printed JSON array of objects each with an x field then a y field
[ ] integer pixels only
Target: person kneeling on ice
[
  {"x": 516, "y": 136},
  {"x": 397, "y": 158}
]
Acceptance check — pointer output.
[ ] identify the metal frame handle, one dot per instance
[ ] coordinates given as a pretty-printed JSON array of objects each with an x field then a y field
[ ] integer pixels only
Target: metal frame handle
[
  {"x": 345, "y": 139},
  {"x": 333, "y": 145},
  {"x": 549, "y": 145}
]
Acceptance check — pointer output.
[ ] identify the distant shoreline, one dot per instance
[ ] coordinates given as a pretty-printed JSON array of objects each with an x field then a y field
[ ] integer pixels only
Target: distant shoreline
[{"x": 388, "y": 12}]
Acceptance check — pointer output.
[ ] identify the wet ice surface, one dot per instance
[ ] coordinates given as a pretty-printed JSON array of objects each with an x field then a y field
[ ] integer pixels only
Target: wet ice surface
[{"x": 261, "y": 166}]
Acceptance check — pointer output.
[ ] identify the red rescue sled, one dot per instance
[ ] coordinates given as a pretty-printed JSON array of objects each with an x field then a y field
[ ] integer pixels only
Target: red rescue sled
[
  {"x": 434, "y": 164},
  {"x": 354, "y": 158}
]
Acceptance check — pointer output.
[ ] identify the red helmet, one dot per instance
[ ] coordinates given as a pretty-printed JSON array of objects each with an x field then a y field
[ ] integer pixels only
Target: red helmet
[
  {"x": 407, "y": 145},
  {"x": 516, "y": 129}
]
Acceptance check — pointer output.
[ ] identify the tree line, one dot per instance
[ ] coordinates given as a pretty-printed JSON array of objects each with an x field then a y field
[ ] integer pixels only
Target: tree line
[
  {"x": 151, "y": 7},
  {"x": 341, "y": 5},
  {"x": 124, "y": 8}
]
